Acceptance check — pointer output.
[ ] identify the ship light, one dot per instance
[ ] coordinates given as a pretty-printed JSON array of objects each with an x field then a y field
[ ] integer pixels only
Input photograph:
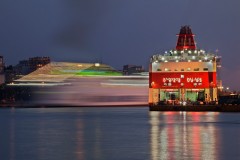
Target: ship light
[
  {"x": 195, "y": 51},
  {"x": 190, "y": 52},
  {"x": 162, "y": 58},
  {"x": 97, "y": 64},
  {"x": 200, "y": 60},
  {"x": 165, "y": 61},
  {"x": 175, "y": 51},
  {"x": 152, "y": 84},
  {"x": 205, "y": 58},
  {"x": 189, "y": 60},
  {"x": 166, "y": 52},
  {"x": 177, "y": 61},
  {"x": 193, "y": 57},
  {"x": 176, "y": 57}
]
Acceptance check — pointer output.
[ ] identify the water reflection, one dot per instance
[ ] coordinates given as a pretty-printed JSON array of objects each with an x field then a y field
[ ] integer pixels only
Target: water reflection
[
  {"x": 12, "y": 137},
  {"x": 183, "y": 135},
  {"x": 79, "y": 140},
  {"x": 117, "y": 133}
]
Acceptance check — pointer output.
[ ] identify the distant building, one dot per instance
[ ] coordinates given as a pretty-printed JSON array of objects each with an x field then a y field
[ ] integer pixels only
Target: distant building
[
  {"x": 24, "y": 67},
  {"x": 2, "y": 77},
  {"x": 10, "y": 74},
  {"x": 27, "y": 66},
  {"x": 38, "y": 62},
  {"x": 132, "y": 69}
]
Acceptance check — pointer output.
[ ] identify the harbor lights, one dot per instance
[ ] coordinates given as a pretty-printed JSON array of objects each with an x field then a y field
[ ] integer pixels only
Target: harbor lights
[
  {"x": 152, "y": 84},
  {"x": 227, "y": 89}
]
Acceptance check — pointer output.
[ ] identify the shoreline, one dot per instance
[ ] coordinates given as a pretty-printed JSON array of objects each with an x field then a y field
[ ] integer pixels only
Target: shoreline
[
  {"x": 66, "y": 105},
  {"x": 161, "y": 108}
]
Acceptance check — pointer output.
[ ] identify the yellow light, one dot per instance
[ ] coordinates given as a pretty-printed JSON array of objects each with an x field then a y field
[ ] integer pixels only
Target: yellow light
[{"x": 97, "y": 64}]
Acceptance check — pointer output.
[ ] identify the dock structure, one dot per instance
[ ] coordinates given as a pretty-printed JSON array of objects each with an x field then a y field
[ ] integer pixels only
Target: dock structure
[{"x": 196, "y": 108}]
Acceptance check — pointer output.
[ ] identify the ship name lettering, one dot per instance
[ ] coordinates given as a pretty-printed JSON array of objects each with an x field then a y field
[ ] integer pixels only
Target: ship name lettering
[
  {"x": 197, "y": 79},
  {"x": 174, "y": 80}
]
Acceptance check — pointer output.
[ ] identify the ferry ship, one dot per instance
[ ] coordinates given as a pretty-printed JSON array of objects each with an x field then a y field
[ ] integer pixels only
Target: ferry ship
[{"x": 184, "y": 75}]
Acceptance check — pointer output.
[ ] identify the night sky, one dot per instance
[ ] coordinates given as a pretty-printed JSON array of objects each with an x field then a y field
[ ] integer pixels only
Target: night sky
[{"x": 118, "y": 32}]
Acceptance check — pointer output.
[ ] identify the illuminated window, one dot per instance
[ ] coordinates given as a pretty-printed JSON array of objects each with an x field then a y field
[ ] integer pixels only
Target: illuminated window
[
  {"x": 167, "y": 69},
  {"x": 188, "y": 69}
]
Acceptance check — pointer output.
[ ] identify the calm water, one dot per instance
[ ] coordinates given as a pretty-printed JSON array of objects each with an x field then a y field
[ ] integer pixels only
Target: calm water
[{"x": 117, "y": 134}]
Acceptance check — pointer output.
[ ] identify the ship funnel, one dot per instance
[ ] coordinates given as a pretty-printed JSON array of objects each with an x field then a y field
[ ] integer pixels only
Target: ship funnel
[{"x": 185, "y": 39}]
